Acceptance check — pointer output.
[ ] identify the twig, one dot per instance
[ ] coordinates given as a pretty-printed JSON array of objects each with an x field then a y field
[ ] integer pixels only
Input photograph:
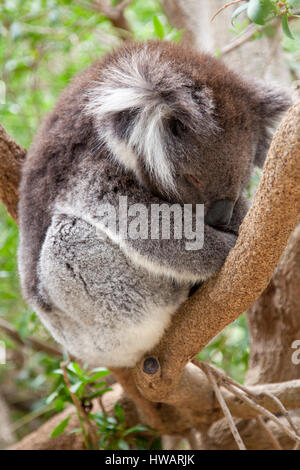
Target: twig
[
  {"x": 284, "y": 411},
  {"x": 281, "y": 407},
  {"x": 34, "y": 343},
  {"x": 232, "y": 386},
  {"x": 114, "y": 14},
  {"x": 240, "y": 40},
  {"x": 261, "y": 410},
  {"x": 101, "y": 404},
  {"x": 225, "y": 409},
  {"x": 248, "y": 34},
  {"x": 30, "y": 417},
  {"x": 268, "y": 431},
  {"x": 81, "y": 412},
  {"x": 224, "y": 7}
]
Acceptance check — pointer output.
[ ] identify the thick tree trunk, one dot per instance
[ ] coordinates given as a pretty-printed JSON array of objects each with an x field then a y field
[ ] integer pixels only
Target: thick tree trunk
[{"x": 274, "y": 321}]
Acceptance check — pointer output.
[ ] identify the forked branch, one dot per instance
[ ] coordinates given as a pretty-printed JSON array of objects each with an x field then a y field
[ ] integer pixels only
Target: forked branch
[{"x": 263, "y": 236}]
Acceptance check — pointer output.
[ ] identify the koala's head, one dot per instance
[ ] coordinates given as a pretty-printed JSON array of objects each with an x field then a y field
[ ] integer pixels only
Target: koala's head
[{"x": 188, "y": 127}]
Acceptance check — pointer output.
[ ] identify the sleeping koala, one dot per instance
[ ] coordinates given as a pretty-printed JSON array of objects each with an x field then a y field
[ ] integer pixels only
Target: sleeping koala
[{"x": 151, "y": 124}]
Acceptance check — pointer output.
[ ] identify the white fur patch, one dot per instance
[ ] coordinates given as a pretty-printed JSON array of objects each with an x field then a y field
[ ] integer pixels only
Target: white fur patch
[
  {"x": 131, "y": 83},
  {"x": 125, "y": 87},
  {"x": 123, "y": 153},
  {"x": 130, "y": 342}
]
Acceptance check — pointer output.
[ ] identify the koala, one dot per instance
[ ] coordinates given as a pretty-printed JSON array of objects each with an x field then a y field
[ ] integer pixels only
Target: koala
[{"x": 156, "y": 123}]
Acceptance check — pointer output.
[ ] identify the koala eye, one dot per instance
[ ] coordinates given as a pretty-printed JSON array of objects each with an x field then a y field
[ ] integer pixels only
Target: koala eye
[{"x": 177, "y": 127}]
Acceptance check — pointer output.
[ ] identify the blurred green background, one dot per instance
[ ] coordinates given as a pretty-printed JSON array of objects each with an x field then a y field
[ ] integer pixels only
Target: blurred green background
[{"x": 43, "y": 43}]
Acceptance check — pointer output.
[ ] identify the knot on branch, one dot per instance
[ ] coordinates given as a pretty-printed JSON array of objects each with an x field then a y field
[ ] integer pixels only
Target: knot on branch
[{"x": 151, "y": 365}]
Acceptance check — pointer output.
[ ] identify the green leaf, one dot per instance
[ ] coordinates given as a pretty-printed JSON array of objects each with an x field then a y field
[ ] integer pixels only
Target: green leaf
[
  {"x": 74, "y": 388},
  {"x": 102, "y": 369},
  {"x": 285, "y": 27},
  {"x": 175, "y": 36},
  {"x": 112, "y": 420},
  {"x": 97, "y": 376},
  {"x": 61, "y": 427},
  {"x": 158, "y": 28},
  {"x": 119, "y": 412},
  {"x": 259, "y": 11},
  {"x": 99, "y": 384},
  {"x": 156, "y": 444},
  {"x": 74, "y": 367},
  {"x": 123, "y": 445},
  {"x": 98, "y": 394},
  {"x": 237, "y": 12},
  {"x": 135, "y": 429},
  {"x": 75, "y": 431},
  {"x": 59, "y": 404},
  {"x": 51, "y": 397}
]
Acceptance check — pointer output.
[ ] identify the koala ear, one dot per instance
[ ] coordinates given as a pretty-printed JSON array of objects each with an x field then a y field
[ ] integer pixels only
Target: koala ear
[{"x": 272, "y": 103}]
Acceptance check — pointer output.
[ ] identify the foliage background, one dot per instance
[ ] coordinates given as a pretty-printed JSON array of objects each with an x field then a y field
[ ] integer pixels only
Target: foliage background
[{"x": 43, "y": 43}]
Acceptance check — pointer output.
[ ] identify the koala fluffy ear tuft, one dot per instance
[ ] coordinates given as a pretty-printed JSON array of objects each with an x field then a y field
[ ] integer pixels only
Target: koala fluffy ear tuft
[{"x": 273, "y": 102}]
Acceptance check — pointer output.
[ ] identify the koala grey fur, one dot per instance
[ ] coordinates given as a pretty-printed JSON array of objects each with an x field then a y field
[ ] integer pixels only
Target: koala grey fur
[{"x": 159, "y": 124}]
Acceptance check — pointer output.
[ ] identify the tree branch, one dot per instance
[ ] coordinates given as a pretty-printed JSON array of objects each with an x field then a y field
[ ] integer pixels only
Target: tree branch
[
  {"x": 204, "y": 407},
  {"x": 11, "y": 158},
  {"x": 115, "y": 14},
  {"x": 234, "y": 2},
  {"x": 34, "y": 343},
  {"x": 263, "y": 236}
]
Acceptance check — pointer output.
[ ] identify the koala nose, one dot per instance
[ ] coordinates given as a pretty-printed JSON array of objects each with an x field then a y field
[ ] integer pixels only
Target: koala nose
[{"x": 220, "y": 213}]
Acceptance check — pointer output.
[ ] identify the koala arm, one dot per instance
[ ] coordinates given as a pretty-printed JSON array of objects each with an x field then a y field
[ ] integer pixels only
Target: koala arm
[
  {"x": 160, "y": 256},
  {"x": 171, "y": 257}
]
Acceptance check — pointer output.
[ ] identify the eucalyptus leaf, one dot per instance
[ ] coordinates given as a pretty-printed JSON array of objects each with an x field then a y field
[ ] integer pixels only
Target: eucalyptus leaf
[
  {"x": 60, "y": 428},
  {"x": 119, "y": 412},
  {"x": 74, "y": 367},
  {"x": 158, "y": 28},
  {"x": 123, "y": 445},
  {"x": 259, "y": 11},
  {"x": 285, "y": 27},
  {"x": 237, "y": 12},
  {"x": 97, "y": 376},
  {"x": 135, "y": 429},
  {"x": 74, "y": 388}
]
